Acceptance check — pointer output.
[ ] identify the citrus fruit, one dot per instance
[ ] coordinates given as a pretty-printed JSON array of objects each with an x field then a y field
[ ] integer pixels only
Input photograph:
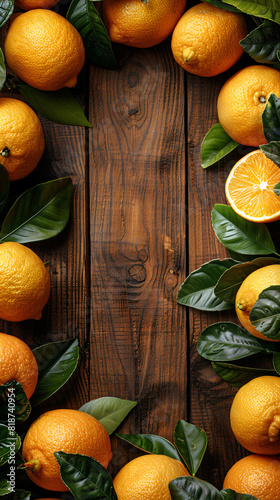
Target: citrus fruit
[
  {"x": 71, "y": 431},
  {"x": 249, "y": 291},
  {"x": 44, "y": 50},
  {"x": 249, "y": 188},
  {"x": 17, "y": 362},
  {"x": 256, "y": 475},
  {"x": 147, "y": 478},
  {"x": 35, "y": 4},
  {"x": 24, "y": 283},
  {"x": 255, "y": 415},
  {"x": 134, "y": 23},
  {"x": 21, "y": 138},
  {"x": 205, "y": 40},
  {"x": 242, "y": 100}
]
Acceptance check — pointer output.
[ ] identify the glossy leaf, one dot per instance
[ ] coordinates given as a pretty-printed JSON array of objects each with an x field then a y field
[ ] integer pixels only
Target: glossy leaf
[
  {"x": 222, "y": 5},
  {"x": 239, "y": 256},
  {"x": 39, "y": 213},
  {"x": 60, "y": 106},
  {"x": 198, "y": 289},
  {"x": 191, "y": 488},
  {"x": 151, "y": 444},
  {"x": 17, "y": 495},
  {"x": 237, "y": 376},
  {"x": 215, "y": 145},
  {"x": 233, "y": 278},
  {"x": 276, "y": 189},
  {"x": 56, "y": 362},
  {"x": 109, "y": 411},
  {"x": 6, "y": 10},
  {"x": 4, "y": 186},
  {"x": 271, "y": 116},
  {"x": 20, "y": 408},
  {"x": 191, "y": 442},
  {"x": 276, "y": 362},
  {"x": 263, "y": 43},
  {"x": 5, "y": 487},
  {"x": 9, "y": 443},
  {"x": 2, "y": 70},
  {"x": 232, "y": 495},
  {"x": 85, "y": 477},
  {"x": 267, "y": 9},
  {"x": 84, "y": 16},
  {"x": 265, "y": 313},
  {"x": 272, "y": 151},
  {"x": 240, "y": 235},
  {"x": 226, "y": 341}
]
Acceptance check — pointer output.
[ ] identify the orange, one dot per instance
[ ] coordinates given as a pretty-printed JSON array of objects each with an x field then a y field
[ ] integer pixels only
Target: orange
[
  {"x": 249, "y": 188},
  {"x": 147, "y": 478},
  {"x": 257, "y": 475},
  {"x": 24, "y": 283},
  {"x": 21, "y": 138},
  {"x": 134, "y": 23},
  {"x": 255, "y": 415},
  {"x": 35, "y": 4},
  {"x": 249, "y": 291},
  {"x": 44, "y": 50},
  {"x": 206, "y": 39},
  {"x": 17, "y": 362},
  {"x": 242, "y": 100},
  {"x": 71, "y": 431}
]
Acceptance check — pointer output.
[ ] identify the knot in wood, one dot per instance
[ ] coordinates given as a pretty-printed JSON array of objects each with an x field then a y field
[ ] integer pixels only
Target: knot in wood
[{"x": 138, "y": 273}]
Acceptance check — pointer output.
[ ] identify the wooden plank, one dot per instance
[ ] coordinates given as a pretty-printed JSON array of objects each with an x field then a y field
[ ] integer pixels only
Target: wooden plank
[{"x": 137, "y": 237}]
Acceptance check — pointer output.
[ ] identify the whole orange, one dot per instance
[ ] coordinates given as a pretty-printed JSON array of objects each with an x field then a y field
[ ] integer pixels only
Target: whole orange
[
  {"x": 254, "y": 415},
  {"x": 44, "y": 50},
  {"x": 206, "y": 39},
  {"x": 24, "y": 283},
  {"x": 17, "y": 362},
  {"x": 71, "y": 431},
  {"x": 134, "y": 23},
  {"x": 249, "y": 291},
  {"x": 147, "y": 478},
  {"x": 256, "y": 475},
  {"x": 22, "y": 140},
  {"x": 242, "y": 100}
]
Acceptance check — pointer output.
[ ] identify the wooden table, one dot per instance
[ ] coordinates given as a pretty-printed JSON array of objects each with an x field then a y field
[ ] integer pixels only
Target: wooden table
[{"x": 140, "y": 222}]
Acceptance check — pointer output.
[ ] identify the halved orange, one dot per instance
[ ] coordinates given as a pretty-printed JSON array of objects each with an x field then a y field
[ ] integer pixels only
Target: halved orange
[{"x": 249, "y": 188}]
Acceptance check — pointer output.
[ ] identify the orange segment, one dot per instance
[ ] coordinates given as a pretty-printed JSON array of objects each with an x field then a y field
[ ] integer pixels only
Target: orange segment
[{"x": 249, "y": 188}]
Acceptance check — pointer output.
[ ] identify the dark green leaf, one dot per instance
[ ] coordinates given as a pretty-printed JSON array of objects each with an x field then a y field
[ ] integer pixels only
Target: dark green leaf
[
  {"x": 276, "y": 189},
  {"x": 19, "y": 407},
  {"x": 232, "y": 278},
  {"x": 276, "y": 362},
  {"x": 265, "y": 313},
  {"x": 9, "y": 444},
  {"x": 6, "y": 10},
  {"x": 109, "y": 411},
  {"x": 84, "y": 16},
  {"x": 5, "y": 487},
  {"x": 268, "y": 9},
  {"x": 271, "y": 116},
  {"x": 226, "y": 341},
  {"x": 239, "y": 256},
  {"x": 18, "y": 495},
  {"x": 4, "y": 186},
  {"x": 2, "y": 70},
  {"x": 191, "y": 488},
  {"x": 263, "y": 43},
  {"x": 60, "y": 106},
  {"x": 85, "y": 477},
  {"x": 232, "y": 495},
  {"x": 221, "y": 5},
  {"x": 272, "y": 151},
  {"x": 240, "y": 235},
  {"x": 215, "y": 145},
  {"x": 237, "y": 376},
  {"x": 191, "y": 442},
  {"x": 39, "y": 213},
  {"x": 56, "y": 362},
  {"x": 151, "y": 444},
  {"x": 198, "y": 289}
]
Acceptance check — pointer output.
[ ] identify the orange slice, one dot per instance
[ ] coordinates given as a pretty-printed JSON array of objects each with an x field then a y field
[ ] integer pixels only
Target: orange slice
[{"x": 249, "y": 188}]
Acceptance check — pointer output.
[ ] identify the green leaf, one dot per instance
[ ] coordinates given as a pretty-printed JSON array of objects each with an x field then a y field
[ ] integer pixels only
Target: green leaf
[
  {"x": 226, "y": 341},
  {"x": 17, "y": 494},
  {"x": 151, "y": 444},
  {"x": 276, "y": 189},
  {"x": 84, "y": 16},
  {"x": 10, "y": 443},
  {"x": 4, "y": 186},
  {"x": 240, "y": 235},
  {"x": 56, "y": 362},
  {"x": 272, "y": 151},
  {"x": 232, "y": 495},
  {"x": 60, "y": 106},
  {"x": 191, "y": 442},
  {"x": 276, "y": 362},
  {"x": 191, "y": 488},
  {"x": 271, "y": 117},
  {"x": 6, "y": 10},
  {"x": 39, "y": 213},
  {"x": 268, "y": 9},
  {"x": 221, "y": 5},
  {"x": 14, "y": 403},
  {"x": 198, "y": 289},
  {"x": 215, "y": 145},
  {"x": 229, "y": 283},
  {"x": 263, "y": 43},
  {"x": 85, "y": 477},
  {"x": 2, "y": 70},
  {"x": 265, "y": 313},
  {"x": 236, "y": 375},
  {"x": 109, "y": 411},
  {"x": 240, "y": 257}
]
